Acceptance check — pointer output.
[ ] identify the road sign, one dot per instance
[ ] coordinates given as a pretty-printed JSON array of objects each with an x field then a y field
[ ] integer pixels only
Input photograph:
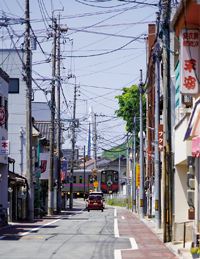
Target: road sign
[
  {"x": 96, "y": 184},
  {"x": 94, "y": 171}
]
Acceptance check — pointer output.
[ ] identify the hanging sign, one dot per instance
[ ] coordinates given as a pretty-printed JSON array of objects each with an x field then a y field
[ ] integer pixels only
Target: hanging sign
[
  {"x": 137, "y": 175},
  {"x": 160, "y": 137},
  {"x": 189, "y": 61}
]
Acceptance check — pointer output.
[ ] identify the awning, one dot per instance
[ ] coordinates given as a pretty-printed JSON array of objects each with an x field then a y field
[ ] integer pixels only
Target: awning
[
  {"x": 16, "y": 177},
  {"x": 193, "y": 121}
]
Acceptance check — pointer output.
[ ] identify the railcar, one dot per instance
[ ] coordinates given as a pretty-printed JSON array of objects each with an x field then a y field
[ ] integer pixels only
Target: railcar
[{"x": 108, "y": 182}]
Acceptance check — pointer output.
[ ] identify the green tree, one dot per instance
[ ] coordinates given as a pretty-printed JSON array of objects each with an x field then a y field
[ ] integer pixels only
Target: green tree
[
  {"x": 113, "y": 153},
  {"x": 129, "y": 106}
]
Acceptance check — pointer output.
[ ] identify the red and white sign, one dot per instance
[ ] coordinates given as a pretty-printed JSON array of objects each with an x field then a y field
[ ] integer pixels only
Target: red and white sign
[
  {"x": 44, "y": 162},
  {"x": 189, "y": 61},
  {"x": 5, "y": 147}
]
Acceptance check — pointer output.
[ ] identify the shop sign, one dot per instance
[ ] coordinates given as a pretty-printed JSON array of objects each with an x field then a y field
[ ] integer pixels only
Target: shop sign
[
  {"x": 5, "y": 147},
  {"x": 160, "y": 137},
  {"x": 137, "y": 175},
  {"x": 189, "y": 61}
]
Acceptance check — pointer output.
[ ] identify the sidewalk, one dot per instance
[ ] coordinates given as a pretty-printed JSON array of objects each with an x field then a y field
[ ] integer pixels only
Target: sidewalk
[{"x": 175, "y": 247}]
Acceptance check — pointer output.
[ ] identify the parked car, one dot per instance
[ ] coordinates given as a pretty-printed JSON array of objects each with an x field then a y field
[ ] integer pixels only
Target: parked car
[{"x": 95, "y": 202}]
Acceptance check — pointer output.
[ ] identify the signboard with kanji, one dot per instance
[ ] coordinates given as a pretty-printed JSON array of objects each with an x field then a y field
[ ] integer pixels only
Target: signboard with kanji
[
  {"x": 137, "y": 175},
  {"x": 5, "y": 147},
  {"x": 160, "y": 137},
  {"x": 189, "y": 61}
]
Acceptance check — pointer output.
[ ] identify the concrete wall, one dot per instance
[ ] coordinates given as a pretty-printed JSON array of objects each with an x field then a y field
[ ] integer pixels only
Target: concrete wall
[
  {"x": 3, "y": 157},
  {"x": 12, "y": 65}
]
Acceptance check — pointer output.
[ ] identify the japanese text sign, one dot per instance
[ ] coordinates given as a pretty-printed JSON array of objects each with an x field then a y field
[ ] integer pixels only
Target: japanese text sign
[
  {"x": 189, "y": 61},
  {"x": 5, "y": 147},
  {"x": 137, "y": 175},
  {"x": 160, "y": 137}
]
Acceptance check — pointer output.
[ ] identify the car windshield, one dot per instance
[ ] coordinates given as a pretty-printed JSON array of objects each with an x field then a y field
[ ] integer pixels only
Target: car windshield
[{"x": 95, "y": 198}]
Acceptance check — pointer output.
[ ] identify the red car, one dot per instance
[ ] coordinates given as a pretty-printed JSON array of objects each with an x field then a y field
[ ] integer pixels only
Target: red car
[{"x": 95, "y": 202}]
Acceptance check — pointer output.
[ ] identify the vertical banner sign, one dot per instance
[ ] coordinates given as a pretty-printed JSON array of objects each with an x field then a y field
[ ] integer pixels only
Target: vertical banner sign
[
  {"x": 64, "y": 171},
  {"x": 160, "y": 137},
  {"x": 189, "y": 61},
  {"x": 137, "y": 175}
]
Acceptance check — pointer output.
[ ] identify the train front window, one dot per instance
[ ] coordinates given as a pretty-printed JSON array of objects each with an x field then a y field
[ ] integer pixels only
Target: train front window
[
  {"x": 103, "y": 177},
  {"x": 115, "y": 178},
  {"x": 109, "y": 177}
]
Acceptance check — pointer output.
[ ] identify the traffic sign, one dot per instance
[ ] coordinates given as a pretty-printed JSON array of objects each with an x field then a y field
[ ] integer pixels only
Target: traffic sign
[{"x": 96, "y": 184}]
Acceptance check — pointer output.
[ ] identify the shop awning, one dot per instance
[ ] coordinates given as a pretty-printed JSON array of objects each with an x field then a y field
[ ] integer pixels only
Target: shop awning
[
  {"x": 16, "y": 177},
  {"x": 194, "y": 121}
]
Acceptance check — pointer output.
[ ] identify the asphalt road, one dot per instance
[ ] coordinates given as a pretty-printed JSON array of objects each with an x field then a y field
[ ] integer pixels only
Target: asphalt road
[
  {"x": 76, "y": 235},
  {"x": 114, "y": 233}
]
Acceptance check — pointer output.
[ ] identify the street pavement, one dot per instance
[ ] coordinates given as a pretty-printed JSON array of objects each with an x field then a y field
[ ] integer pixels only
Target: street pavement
[{"x": 133, "y": 238}]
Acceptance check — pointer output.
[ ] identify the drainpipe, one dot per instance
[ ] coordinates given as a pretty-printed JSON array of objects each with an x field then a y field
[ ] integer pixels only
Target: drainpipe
[{"x": 21, "y": 151}]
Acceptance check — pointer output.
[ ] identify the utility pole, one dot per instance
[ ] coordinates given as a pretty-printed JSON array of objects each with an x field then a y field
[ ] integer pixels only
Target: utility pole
[
  {"x": 51, "y": 157},
  {"x": 167, "y": 160},
  {"x": 73, "y": 147},
  {"x": 157, "y": 120},
  {"x": 119, "y": 183},
  {"x": 134, "y": 169},
  {"x": 95, "y": 141},
  {"x": 84, "y": 175},
  {"x": 127, "y": 175},
  {"x": 58, "y": 125},
  {"x": 29, "y": 163},
  {"x": 141, "y": 151}
]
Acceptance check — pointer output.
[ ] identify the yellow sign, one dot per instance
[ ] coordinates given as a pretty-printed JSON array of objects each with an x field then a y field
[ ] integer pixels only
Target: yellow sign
[
  {"x": 137, "y": 175},
  {"x": 96, "y": 184}
]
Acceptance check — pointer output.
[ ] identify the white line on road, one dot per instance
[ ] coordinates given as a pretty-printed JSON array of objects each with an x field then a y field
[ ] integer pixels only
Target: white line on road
[
  {"x": 34, "y": 229},
  {"x": 117, "y": 253}
]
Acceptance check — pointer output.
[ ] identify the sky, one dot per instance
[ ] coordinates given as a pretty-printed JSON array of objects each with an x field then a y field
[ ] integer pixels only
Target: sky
[{"x": 103, "y": 49}]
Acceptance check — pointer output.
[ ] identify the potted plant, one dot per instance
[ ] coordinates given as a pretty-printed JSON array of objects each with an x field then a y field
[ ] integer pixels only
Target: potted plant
[{"x": 195, "y": 252}]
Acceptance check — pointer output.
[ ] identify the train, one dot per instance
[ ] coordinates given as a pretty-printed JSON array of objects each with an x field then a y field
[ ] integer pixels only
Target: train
[{"x": 106, "y": 181}]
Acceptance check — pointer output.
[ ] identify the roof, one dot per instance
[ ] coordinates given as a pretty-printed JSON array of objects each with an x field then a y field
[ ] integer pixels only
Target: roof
[
  {"x": 44, "y": 128},
  {"x": 4, "y": 75},
  {"x": 16, "y": 177}
]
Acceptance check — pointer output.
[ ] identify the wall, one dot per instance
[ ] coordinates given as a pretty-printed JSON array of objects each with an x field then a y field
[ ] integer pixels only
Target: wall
[{"x": 17, "y": 108}]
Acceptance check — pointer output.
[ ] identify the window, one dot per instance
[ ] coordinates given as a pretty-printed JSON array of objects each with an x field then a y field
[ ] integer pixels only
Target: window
[
  {"x": 74, "y": 181},
  {"x": 13, "y": 85},
  {"x": 80, "y": 179},
  {"x": 115, "y": 177},
  {"x": 103, "y": 177}
]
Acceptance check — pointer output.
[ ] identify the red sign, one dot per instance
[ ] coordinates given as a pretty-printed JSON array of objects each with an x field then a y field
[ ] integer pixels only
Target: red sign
[
  {"x": 160, "y": 137},
  {"x": 63, "y": 176},
  {"x": 3, "y": 115},
  {"x": 44, "y": 165}
]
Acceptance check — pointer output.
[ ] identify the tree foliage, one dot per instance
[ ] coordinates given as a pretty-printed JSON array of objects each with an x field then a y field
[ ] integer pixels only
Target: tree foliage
[
  {"x": 114, "y": 152},
  {"x": 129, "y": 106}
]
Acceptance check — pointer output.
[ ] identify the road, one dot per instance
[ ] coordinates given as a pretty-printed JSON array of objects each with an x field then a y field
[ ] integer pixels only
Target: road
[{"x": 77, "y": 233}]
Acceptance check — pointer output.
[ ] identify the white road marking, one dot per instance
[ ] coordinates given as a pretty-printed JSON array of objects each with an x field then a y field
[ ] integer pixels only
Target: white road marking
[
  {"x": 34, "y": 229},
  {"x": 117, "y": 252}
]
